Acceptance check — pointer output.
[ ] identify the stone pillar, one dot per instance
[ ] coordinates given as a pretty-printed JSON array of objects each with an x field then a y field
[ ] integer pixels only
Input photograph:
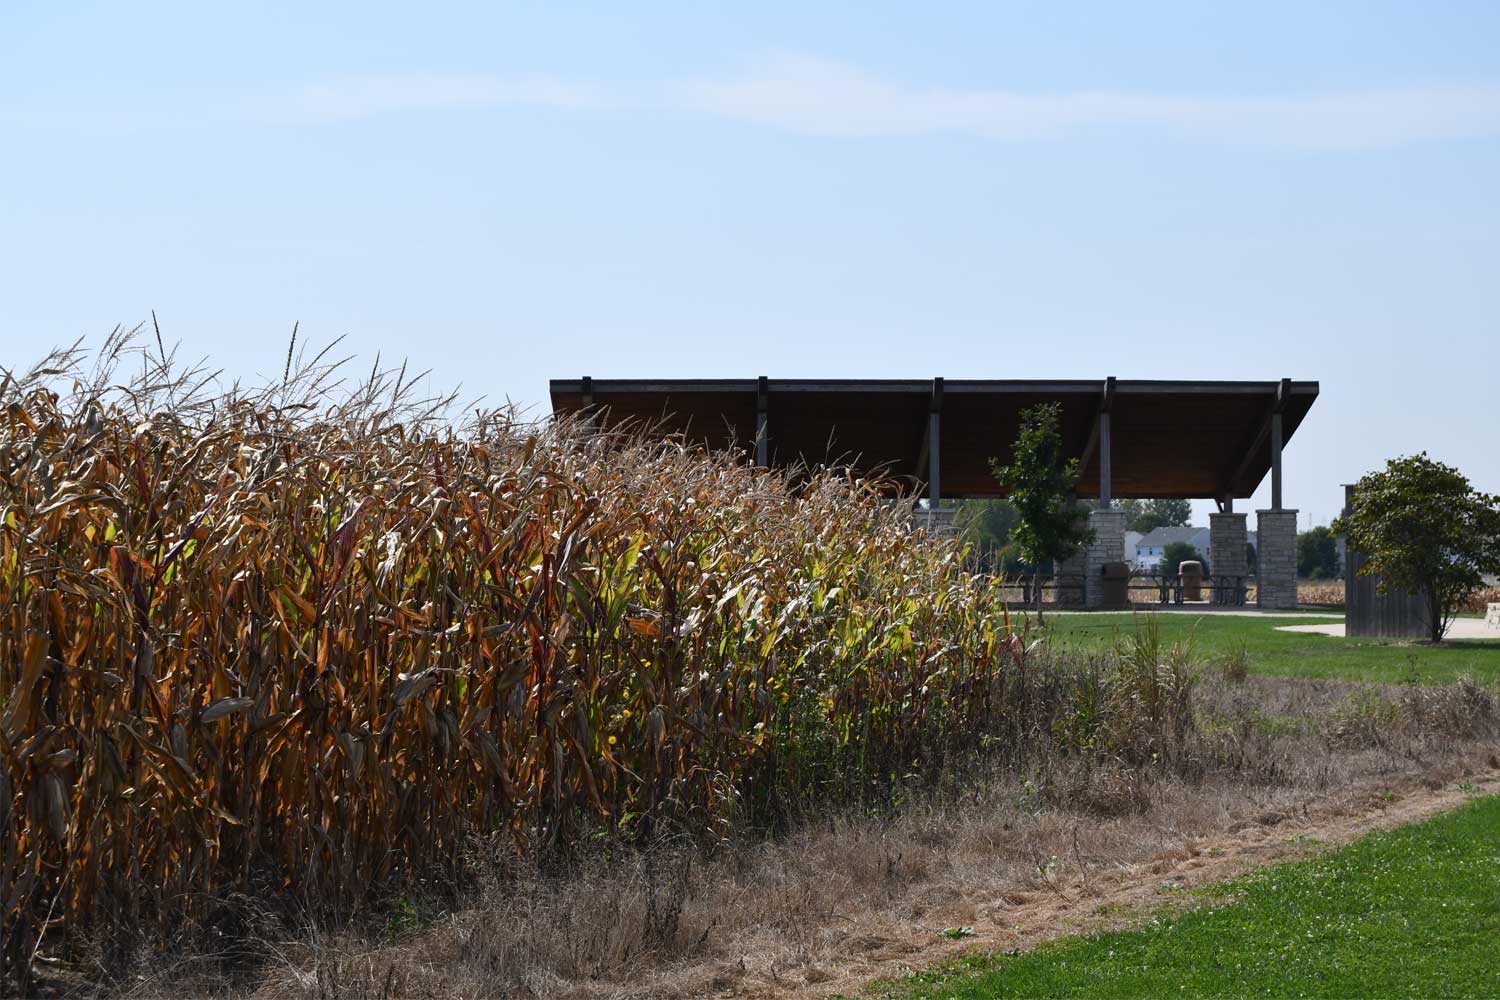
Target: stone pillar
[
  {"x": 1108, "y": 546},
  {"x": 1227, "y": 539},
  {"x": 1276, "y": 575},
  {"x": 1068, "y": 577}
]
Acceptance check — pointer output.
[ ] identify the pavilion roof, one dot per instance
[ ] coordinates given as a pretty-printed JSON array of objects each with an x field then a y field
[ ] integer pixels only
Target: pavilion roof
[{"x": 1180, "y": 439}]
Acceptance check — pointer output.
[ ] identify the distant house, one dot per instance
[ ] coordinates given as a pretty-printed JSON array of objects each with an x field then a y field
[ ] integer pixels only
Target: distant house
[
  {"x": 1132, "y": 541},
  {"x": 1148, "y": 551}
]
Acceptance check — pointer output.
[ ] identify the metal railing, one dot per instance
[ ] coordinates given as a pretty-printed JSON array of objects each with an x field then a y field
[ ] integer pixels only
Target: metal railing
[
  {"x": 1162, "y": 589},
  {"x": 1052, "y": 590},
  {"x": 1172, "y": 589}
]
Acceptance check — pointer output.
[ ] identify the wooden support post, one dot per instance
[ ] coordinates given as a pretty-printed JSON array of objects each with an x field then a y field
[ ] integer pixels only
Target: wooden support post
[
  {"x": 1106, "y": 404},
  {"x": 1275, "y": 461},
  {"x": 1283, "y": 395},
  {"x": 1104, "y": 470},
  {"x": 934, "y": 436},
  {"x": 762, "y": 423},
  {"x": 1270, "y": 428},
  {"x": 588, "y": 411}
]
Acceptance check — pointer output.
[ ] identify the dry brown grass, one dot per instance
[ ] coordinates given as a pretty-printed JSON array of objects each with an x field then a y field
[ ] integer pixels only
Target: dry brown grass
[{"x": 851, "y": 892}]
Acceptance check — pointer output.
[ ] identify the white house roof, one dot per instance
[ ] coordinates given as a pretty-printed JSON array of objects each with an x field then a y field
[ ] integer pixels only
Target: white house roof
[{"x": 1160, "y": 537}]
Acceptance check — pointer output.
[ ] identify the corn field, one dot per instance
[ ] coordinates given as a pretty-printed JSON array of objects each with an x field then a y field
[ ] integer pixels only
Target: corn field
[
  {"x": 1479, "y": 601},
  {"x": 1332, "y": 592},
  {"x": 307, "y": 639},
  {"x": 1320, "y": 591}
]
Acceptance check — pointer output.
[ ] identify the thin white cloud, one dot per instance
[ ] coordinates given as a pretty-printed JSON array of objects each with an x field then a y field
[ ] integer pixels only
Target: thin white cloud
[
  {"x": 331, "y": 100},
  {"x": 818, "y": 97}
]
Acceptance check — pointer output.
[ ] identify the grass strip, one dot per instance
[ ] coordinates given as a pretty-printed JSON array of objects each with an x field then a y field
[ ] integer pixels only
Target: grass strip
[
  {"x": 1291, "y": 654},
  {"x": 1409, "y": 912}
]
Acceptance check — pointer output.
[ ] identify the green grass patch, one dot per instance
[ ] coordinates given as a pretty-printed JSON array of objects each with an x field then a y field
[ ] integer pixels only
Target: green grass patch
[
  {"x": 1215, "y": 637},
  {"x": 1411, "y": 912}
]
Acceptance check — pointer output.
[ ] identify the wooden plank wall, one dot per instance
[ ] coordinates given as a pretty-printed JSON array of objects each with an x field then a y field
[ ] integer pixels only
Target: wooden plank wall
[{"x": 1366, "y": 613}]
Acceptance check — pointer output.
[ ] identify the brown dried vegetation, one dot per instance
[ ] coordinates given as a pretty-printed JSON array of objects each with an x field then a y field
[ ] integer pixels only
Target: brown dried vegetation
[
  {"x": 1320, "y": 592},
  {"x": 1020, "y": 850},
  {"x": 309, "y": 642},
  {"x": 1332, "y": 592}
]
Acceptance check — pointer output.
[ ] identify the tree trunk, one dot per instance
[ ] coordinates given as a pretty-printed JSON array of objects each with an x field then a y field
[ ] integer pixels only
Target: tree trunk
[
  {"x": 1037, "y": 586},
  {"x": 1434, "y": 616}
]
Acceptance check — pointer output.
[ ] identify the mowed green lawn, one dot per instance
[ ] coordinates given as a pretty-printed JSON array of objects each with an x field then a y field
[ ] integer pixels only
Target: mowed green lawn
[
  {"x": 1412, "y": 912},
  {"x": 1296, "y": 654}
]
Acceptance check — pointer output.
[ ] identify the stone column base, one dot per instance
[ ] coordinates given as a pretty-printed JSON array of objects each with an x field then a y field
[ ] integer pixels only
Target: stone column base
[
  {"x": 1227, "y": 539},
  {"x": 1068, "y": 581},
  {"x": 1108, "y": 546},
  {"x": 1276, "y": 565}
]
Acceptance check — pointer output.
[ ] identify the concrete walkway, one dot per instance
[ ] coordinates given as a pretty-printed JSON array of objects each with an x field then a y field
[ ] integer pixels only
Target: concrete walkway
[{"x": 1462, "y": 628}]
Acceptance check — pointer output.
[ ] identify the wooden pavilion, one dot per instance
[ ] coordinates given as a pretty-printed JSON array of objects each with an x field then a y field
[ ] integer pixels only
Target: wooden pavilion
[
  {"x": 1213, "y": 440},
  {"x": 1209, "y": 440}
]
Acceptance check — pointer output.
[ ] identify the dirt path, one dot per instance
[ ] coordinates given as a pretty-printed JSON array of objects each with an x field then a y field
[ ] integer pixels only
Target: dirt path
[{"x": 1121, "y": 897}]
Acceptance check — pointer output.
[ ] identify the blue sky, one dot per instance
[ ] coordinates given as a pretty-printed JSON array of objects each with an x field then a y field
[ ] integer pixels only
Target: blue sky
[{"x": 508, "y": 193}]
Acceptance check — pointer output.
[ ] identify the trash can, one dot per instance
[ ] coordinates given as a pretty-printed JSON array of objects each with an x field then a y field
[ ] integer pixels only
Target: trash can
[
  {"x": 1191, "y": 571},
  {"x": 1116, "y": 586}
]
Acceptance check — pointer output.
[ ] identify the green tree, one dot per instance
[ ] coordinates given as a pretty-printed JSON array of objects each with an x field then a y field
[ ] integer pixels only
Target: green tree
[
  {"x": 1051, "y": 526},
  {"x": 1423, "y": 529},
  {"x": 1144, "y": 515},
  {"x": 987, "y": 526},
  {"x": 1317, "y": 554},
  {"x": 1133, "y": 509},
  {"x": 1177, "y": 553}
]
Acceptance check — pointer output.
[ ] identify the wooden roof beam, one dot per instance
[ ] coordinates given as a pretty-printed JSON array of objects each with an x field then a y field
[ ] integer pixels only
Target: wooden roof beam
[
  {"x": 762, "y": 423},
  {"x": 1106, "y": 404},
  {"x": 1274, "y": 411},
  {"x": 928, "y": 455}
]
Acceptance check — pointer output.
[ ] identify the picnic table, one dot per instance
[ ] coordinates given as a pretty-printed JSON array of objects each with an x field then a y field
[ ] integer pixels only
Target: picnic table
[{"x": 1223, "y": 590}]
